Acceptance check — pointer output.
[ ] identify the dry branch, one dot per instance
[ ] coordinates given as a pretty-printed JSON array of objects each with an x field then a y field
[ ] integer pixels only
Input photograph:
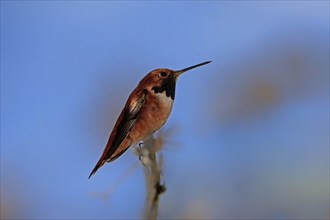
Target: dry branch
[{"x": 152, "y": 170}]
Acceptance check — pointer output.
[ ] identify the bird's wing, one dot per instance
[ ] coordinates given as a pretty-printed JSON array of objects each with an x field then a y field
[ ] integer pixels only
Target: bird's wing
[
  {"x": 122, "y": 128},
  {"x": 130, "y": 114}
]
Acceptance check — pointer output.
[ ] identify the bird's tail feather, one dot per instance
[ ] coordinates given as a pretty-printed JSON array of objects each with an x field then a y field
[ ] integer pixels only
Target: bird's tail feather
[
  {"x": 97, "y": 166},
  {"x": 104, "y": 159}
]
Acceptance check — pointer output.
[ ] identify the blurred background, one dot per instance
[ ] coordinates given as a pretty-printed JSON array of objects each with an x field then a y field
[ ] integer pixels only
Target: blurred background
[{"x": 248, "y": 136}]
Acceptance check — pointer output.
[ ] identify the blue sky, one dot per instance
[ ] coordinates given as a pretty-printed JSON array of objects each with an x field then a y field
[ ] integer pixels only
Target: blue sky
[{"x": 249, "y": 131}]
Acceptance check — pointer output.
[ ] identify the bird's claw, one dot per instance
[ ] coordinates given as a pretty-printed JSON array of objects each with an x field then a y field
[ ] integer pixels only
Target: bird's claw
[{"x": 144, "y": 157}]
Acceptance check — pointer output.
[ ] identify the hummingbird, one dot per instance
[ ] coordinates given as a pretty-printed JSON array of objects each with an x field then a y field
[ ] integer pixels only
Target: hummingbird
[{"x": 146, "y": 111}]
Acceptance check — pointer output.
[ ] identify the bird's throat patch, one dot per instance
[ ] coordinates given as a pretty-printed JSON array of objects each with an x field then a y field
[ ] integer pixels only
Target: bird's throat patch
[{"x": 167, "y": 85}]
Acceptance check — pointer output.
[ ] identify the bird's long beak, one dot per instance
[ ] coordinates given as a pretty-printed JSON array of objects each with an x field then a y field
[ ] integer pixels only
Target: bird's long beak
[{"x": 179, "y": 72}]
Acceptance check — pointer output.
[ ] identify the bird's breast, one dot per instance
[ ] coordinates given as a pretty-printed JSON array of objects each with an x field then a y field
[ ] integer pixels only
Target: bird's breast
[
  {"x": 165, "y": 102},
  {"x": 160, "y": 108},
  {"x": 152, "y": 116}
]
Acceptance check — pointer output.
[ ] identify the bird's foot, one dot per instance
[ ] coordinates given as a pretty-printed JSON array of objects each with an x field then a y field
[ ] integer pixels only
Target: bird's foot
[
  {"x": 141, "y": 144},
  {"x": 144, "y": 157}
]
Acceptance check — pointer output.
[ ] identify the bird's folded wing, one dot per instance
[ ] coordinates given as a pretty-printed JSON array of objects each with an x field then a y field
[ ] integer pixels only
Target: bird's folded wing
[{"x": 128, "y": 119}]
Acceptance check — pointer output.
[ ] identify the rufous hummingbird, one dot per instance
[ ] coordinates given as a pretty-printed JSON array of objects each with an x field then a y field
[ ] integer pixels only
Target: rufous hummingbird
[{"x": 146, "y": 110}]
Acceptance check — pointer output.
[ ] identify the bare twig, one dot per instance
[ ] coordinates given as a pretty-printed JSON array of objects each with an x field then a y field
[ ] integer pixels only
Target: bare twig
[{"x": 152, "y": 170}]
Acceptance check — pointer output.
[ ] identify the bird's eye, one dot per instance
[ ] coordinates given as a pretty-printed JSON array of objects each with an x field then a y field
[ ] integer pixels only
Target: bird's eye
[{"x": 163, "y": 74}]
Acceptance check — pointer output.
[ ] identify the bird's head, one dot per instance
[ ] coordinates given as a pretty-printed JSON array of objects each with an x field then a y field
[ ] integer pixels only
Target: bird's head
[{"x": 163, "y": 80}]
